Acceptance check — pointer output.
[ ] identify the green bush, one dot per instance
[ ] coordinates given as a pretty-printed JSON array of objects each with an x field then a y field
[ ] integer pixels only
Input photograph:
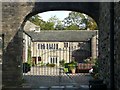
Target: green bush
[
  {"x": 41, "y": 64},
  {"x": 50, "y": 65},
  {"x": 66, "y": 65},
  {"x": 69, "y": 66},
  {"x": 62, "y": 63},
  {"x": 72, "y": 64},
  {"x": 95, "y": 73}
]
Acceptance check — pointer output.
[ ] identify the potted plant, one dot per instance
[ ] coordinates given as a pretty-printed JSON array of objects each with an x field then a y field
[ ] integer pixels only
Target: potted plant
[
  {"x": 62, "y": 63},
  {"x": 72, "y": 66}
]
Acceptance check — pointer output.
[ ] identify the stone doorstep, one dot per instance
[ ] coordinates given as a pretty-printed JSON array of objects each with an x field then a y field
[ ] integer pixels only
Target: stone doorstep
[
  {"x": 70, "y": 88},
  {"x": 26, "y": 86},
  {"x": 43, "y": 87},
  {"x": 15, "y": 88},
  {"x": 67, "y": 87},
  {"x": 61, "y": 87},
  {"x": 84, "y": 86},
  {"x": 72, "y": 83}
]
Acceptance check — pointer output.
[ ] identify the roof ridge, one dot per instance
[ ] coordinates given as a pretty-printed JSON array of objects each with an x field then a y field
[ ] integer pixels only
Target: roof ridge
[{"x": 65, "y": 31}]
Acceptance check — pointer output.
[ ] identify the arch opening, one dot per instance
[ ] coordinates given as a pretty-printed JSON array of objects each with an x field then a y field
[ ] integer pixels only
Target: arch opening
[{"x": 49, "y": 43}]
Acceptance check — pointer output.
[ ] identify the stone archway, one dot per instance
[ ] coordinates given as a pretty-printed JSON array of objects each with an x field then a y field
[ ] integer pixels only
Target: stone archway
[
  {"x": 14, "y": 19},
  {"x": 15, "y": 14}
]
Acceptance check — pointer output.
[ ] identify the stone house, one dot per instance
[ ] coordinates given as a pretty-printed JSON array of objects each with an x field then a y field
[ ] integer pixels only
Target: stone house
[
  {"x": 26, "y": 46},
  {"x": 27, "y": 39},
  {"x": 54, "y": 46}
]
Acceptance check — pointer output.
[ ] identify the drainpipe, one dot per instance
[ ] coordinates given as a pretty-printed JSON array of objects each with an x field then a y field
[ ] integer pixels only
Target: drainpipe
[{"x": 111, "y": 45}]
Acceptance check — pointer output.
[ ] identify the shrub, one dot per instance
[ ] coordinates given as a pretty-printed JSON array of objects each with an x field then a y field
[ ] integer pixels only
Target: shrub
[
  {"x": 72, "y": 64},
  {"x": 26, "y": 67},
  {"x": 50, "y": 65},
  {"x": 62, "y": 63},
  {"x": 95, "y": 73},
  {"x": 41, "y": 64}
]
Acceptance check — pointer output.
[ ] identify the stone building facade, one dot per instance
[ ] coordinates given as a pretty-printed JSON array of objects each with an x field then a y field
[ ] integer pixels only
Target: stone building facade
[
  {"x": 26, "y": 45},
  {"x": 15, "y": 14},
  {"x": 54, "y": 46}
]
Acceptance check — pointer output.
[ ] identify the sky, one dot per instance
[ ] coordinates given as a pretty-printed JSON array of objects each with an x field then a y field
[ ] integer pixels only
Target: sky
[{"x": 59, "y": 14}]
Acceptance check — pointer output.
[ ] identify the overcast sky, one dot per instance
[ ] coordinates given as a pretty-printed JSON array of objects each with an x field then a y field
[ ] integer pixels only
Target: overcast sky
[{"x": 59, "y": 14}]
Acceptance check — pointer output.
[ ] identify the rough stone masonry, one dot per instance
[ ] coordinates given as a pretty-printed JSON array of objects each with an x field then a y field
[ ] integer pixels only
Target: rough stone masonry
[{"x": 15, "y": 14}]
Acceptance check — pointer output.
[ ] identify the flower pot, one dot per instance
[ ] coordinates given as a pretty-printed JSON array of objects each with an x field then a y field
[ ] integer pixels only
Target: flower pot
[{"x": 73, "y": 71}]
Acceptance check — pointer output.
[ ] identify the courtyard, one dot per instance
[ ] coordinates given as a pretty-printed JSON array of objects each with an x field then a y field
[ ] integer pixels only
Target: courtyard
[{"x": 47, "y": 77}]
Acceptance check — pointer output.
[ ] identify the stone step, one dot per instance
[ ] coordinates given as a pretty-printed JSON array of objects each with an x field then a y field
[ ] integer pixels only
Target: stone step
[
  {"x": 57, "y": 88},
  {"x": 67, "y": 87}
]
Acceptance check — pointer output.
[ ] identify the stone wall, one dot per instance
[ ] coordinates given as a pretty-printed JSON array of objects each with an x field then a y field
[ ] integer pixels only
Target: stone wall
[
  {"x": 117, "y": 44},
  {"x": 104, "y": 46},
  {"x": 13, "y": 15}
]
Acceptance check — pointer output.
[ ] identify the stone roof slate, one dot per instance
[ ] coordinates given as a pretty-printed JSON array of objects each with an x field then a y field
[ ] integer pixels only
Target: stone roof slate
[{"x": 62, "y": 35}]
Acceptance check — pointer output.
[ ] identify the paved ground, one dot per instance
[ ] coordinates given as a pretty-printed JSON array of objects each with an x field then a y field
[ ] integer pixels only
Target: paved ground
[{"x": 48, "y": 77}]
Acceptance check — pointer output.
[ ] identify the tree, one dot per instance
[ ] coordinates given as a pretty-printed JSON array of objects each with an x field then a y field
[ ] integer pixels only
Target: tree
[
  {"x": 48, "y": 26},
  {"x": 37, "y": 20},
  {"x": 74, "y": 21},
  {"x": 53, "y": 23},
  {"x": 91, "y": 24},
  {"x": 79, "y": 21},
  {"x": 72, "y": 27},
  {"x": 57, "y": 23}
]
